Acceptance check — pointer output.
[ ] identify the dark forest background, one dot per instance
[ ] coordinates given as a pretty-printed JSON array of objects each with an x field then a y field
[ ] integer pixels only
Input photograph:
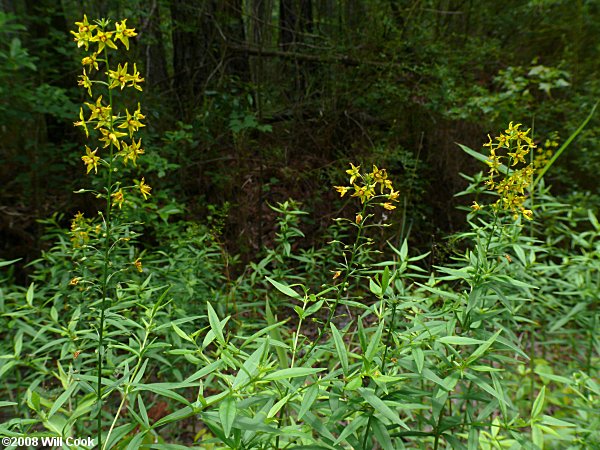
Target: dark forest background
[{"x": 253, "y": 102}]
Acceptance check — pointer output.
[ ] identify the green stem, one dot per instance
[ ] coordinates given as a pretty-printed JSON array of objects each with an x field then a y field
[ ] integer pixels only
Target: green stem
[
  {"x": 343, "y": 285},
  {"x": 333, "y": 309},
  {"x": 382, "y": 368},
  {"x": 132, "y": 377},
  {"x": 106, "y": 266}
]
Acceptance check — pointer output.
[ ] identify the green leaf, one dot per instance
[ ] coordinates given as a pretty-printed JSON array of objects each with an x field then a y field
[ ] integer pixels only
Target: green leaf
[
  {"x": 340, "y": 348},
  {"x": 381, "y": 434},
  {"x": 381, "y": 407},
  {"x": 215, "y": 323},
  {"x": 8, "y": 263},
  {"x": 29, "y": 295},
  {"x": 293, "y": 372},
  {"x": 351, "y": 428},
  {"x": 250, "y": 367},
  {"x": 537, "y": 436},
  {"x": 538, "y": 404},
  {"x": 18, "y": 343},
  {"x": 459, "y": 340},
  {"x": 4, "y": 404},
  {"x": 419, "y": 357},
  {"x": 227, "y": 412},
  {"x": 549, "y": 420},
  {"x": 276, "y": 335},
  {"x": 277, "y": 406},
  {"x": 62, "y": 399},
  {"x": 284, "y": 289},
  {"x": 309, "y": 398},
  {"x": 181, "y": 333},
  {"x": 479, "y": 351},
  {"x": 374, "y": 343}
]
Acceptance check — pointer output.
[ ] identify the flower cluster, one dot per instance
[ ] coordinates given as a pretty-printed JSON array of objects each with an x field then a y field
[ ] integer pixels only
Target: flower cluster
[
  {"x": 509, "y": 174},
  {"x": 364, "y": 185},
  {"x": 82, "y": 230},
  {"x": 544, "y": 154},
  {"x": 112, "y": 128}
]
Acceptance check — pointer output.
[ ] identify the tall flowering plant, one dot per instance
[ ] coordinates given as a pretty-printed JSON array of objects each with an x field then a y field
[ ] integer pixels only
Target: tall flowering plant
[{"x": 111, "y": 131}]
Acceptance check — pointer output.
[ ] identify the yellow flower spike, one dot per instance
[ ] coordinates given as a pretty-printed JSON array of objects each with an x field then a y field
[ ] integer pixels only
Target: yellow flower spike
[
  {"x": 388, "y": 206},
  {"x": 118, "y": 198},
  {"x": 132, "y": 122},
  {"x": 118, "y": 76},
  {"x": 144, "y": 188},
  {"x": 123, "y": 33},
  {"x": 90, "y": 159},
  {"x": 342, "y": 190},
  {"x": 111, "y": 137},
  {"x": 82, "y": 123},
  {"x": 85, "y": 82},
  {"x": 353, "y": 172}
]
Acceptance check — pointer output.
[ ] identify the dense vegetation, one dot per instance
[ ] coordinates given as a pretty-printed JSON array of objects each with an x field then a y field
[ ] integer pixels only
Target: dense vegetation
[{"x": 300, "y": 224}]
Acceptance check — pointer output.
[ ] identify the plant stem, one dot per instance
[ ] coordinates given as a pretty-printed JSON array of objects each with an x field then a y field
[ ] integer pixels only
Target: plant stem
[
  {"x": 343, "y": 285},
  {"x": 106, "y": 257},
  {"x": 382, "y": 368}
]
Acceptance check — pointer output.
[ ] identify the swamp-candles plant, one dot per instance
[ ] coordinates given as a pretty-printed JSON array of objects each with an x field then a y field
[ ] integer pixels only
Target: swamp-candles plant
[{"x": 115, "y": 130}]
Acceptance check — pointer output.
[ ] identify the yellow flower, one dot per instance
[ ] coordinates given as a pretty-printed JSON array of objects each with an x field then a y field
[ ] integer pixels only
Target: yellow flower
[
  {"x": 527, "y": 213},
  {"x": 361, "y": 192},
  {"x": 358, "y": 218},
  {"x": 138, "y": 265},
  {"x": 118, "y": 197},
  {"x": 144, "y": 188},
  {"x": 393, "y": 195},
  {"x": 379, "y": 175},
  {"x": 131, "y": 151},
  {"x": 111, "y": 137},
  {"x": 84, "y": 32},
  {"x": 353, "y": 172},
  {"x": 85, "y": 82},
  {"x": 90, "y": 61},
  {"x": 475, "y": 206},
  {"x": 123, "y": 33},
  {"x": 132, "y": 123},
  {"x": 342, "y": 190},
  {"x": 118, "y": 76},
  {"x": 388, "y": 206},
  {"x": 104, "y": 39},
  {"x": 135, "y": 78},
  {"x": 74, "y": 281},
  {"x": 82, "y": 123},
  {"x": 100, "y": 112},
  {"x": 90, "y": 159}
]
